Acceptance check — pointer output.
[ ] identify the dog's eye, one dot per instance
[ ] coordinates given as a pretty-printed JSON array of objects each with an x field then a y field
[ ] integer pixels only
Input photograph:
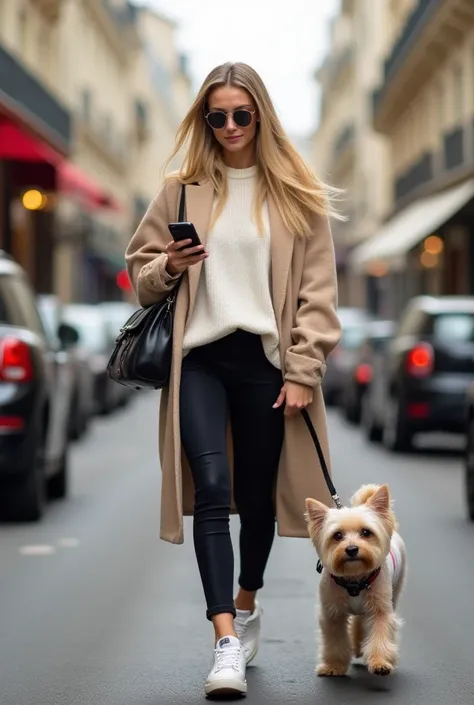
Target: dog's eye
[
  {"x": 338, "y": 536},
  {"x": 366, "y": 533}
]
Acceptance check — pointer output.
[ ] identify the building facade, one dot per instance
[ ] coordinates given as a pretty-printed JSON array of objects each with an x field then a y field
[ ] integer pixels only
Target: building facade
[
  {"x": 347, "y": 152},
  {"x": 424, "y": 107},
  {"x": 91, "y": 92}
]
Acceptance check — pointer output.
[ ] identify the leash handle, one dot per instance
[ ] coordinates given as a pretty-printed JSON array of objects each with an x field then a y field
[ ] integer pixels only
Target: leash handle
[{"x": 322, "y": 460}]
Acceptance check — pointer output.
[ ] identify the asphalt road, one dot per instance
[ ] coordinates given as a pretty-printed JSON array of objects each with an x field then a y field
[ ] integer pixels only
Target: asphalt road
[{"x": 95, "y": 610}]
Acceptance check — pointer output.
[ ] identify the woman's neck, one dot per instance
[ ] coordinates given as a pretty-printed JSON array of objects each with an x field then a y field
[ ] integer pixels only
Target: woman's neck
[{"x": 240, "y": 160}]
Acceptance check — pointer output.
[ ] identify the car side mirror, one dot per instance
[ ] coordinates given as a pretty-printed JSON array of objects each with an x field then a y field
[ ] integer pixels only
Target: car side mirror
[{"x": 68, "y": 335}]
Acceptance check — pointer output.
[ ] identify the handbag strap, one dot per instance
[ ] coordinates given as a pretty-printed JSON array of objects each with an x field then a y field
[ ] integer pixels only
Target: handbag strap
[
  {"x": 182, "y": 204},
  {"x": 322, "y": 460}
]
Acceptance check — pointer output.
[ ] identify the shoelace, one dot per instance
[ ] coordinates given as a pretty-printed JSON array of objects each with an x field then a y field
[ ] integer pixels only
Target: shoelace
[{"x": 228, "y": 658}]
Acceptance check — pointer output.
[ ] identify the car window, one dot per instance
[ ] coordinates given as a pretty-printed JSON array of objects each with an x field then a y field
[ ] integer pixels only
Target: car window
[
  {"x": 454, "y": 327},
  {"x": 92, "y": 331},
  {"x": 352, "y": 337},
  {"x": 18, "y": 305}
]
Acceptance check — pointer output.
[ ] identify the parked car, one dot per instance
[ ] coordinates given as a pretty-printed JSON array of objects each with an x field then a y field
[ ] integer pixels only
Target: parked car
[
  {"x": 353, "y": 322},
  {"x": 424, "y": 375},
  {"x": 469, "y": 454},
  {"x": 82, "y": 397},
  {"x": 35, "y": 391},
  {"x": 358, "y": 373},
  {"x": 94, "y": 336}
]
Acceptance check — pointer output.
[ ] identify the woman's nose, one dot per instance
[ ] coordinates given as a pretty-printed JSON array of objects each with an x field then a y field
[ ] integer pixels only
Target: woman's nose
[{"x": 230, "y": 124}]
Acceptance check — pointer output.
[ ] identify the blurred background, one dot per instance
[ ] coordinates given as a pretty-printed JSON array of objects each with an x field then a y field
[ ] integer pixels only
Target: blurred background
[{"x": 378, "y": 95}]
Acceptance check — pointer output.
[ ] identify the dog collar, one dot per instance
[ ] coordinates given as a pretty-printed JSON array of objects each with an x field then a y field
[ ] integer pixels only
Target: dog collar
[{"x": 353, "y": 587}]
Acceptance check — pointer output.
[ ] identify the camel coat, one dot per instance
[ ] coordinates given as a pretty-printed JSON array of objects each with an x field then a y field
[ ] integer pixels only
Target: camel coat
[{"x": 304, "y": 294}]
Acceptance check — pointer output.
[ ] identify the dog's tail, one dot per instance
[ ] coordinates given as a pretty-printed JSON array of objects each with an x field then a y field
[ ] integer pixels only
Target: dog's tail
[{"x": 363, "y": 494}]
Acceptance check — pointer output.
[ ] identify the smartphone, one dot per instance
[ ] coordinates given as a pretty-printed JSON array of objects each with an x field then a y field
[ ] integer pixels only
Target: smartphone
[{"x": 184, "y": 231}]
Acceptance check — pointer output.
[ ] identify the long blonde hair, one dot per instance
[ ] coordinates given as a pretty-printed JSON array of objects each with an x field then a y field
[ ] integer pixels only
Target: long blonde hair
[{"x": 282, "y": 173}]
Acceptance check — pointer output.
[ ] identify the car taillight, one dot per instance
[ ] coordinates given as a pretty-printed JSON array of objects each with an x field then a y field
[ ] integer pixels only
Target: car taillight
[
  {"x": 363, "y": 374},
  {"x": 420, "y": 360},
  {"x": 15, "y": 361}
]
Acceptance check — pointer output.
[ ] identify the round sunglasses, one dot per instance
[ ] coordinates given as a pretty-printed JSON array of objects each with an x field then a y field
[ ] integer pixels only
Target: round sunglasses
[{"x": 217, "y": 119}]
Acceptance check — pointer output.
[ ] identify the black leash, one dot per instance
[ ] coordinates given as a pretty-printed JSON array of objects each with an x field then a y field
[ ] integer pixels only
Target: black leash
[{"x": 322, "y": 461}]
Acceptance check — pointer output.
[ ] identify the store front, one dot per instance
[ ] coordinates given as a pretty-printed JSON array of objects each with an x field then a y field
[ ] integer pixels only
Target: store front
[{"x": 424, "y": 249}]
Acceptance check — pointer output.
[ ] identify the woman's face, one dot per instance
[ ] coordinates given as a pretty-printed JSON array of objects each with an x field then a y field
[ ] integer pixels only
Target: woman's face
[{"x": 233, "y": 137}]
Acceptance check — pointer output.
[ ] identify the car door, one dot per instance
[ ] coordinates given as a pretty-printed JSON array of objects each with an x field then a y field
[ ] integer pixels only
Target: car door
[{"x": 59, "y": 379}]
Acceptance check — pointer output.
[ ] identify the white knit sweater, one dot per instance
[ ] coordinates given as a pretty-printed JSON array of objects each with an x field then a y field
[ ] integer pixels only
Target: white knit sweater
[{"x": 234, "y": 286}]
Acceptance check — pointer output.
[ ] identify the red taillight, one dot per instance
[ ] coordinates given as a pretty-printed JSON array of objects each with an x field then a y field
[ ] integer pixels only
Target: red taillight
[
  {"x": 418, "y": 410},
  {"x": 363, "y": 374},
  {"x": 420, "y": 360},
  {"x": 15, "y": 361},
  {"x": 10, "y": 424}
]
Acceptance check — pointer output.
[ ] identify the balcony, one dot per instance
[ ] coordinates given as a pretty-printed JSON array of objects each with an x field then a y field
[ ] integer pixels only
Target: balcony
[
  {"x": 24, "y": 95},
  {"x": 417, "y": 22},
  {"x": 434, "y": 29},
  {"x": 453, "y": 148},
  {"x": 417, "y": 175}
]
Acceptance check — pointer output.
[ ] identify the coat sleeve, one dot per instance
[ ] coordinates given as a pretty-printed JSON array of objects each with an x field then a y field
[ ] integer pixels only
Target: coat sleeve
[
  {"x": 146, "y": 256},
  {"x": 317, "y": 329}
]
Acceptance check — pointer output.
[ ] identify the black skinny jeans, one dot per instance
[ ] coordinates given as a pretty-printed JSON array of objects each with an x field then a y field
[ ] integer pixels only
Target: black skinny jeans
[{"x": 231, "y": 377}]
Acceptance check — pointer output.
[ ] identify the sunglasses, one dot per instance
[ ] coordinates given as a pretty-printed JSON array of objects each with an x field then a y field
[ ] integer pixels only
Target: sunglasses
[{"x": 217, "y": 119}]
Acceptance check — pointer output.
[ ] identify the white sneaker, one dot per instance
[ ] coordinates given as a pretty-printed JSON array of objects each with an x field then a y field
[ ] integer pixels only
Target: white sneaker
[
  {"x": 227, "y": 676},
  {"x": 247, "y": 627}
]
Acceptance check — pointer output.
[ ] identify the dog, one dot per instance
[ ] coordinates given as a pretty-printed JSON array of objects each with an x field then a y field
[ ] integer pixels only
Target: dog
[{"x": 362, "y": 558}]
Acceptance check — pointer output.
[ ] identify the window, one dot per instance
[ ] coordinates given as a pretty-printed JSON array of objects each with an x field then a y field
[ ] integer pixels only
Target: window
[
  {"x": 458, "y": 95},
  {"x": 17, "y": 304},
  {"x": 25, "y": 306},
  {"x": 86, "y": 104},
  {"x": 440, "y": 106},
  {"x": 455, "y": 327}
]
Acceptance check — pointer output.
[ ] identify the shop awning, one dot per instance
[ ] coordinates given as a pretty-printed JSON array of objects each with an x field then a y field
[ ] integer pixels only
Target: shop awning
[
  {"x": 409, "y": 227},
  {"x": 72, "y": 181},
  {"x": 17, "y": 145}
]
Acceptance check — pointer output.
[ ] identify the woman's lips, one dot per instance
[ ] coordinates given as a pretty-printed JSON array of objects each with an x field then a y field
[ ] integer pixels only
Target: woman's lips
[{"x": 234, "y": 138}]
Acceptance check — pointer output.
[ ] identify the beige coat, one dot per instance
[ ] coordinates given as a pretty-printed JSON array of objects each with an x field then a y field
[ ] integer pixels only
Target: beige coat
[{"x": 304, "y": 294}]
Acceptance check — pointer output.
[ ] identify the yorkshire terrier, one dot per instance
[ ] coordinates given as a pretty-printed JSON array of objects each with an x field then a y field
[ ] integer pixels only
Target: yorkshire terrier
[{"x": 362, "y": 559}]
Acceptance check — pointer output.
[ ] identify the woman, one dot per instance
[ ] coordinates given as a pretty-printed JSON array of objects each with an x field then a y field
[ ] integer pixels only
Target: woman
[{"x": 255, "y": 320}]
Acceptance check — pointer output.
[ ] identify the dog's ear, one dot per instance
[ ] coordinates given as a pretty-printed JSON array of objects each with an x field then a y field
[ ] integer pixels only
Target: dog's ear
[
  {"x": 380, "y": 501},
  {"x": 316, "y": 513}
]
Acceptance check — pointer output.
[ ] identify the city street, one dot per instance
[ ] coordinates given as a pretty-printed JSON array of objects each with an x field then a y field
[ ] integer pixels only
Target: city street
[{"x": 96, "y": 610}]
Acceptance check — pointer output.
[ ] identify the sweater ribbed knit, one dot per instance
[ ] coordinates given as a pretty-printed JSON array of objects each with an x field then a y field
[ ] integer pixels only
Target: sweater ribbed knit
[{"x": 234, "y": 286}]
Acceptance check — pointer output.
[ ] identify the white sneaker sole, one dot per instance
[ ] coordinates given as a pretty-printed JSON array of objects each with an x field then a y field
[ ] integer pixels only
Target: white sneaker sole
[
  {"x": 229, "y": 686},
  {"x": 252, "y": 655}
]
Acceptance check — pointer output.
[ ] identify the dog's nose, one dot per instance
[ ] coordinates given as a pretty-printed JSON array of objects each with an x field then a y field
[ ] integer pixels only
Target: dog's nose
[{"x": 352, "y": 551}]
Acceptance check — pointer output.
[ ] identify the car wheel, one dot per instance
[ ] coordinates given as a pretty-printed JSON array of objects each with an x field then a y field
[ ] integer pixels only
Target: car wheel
[
  {"x": 26, "y": 500},
  {"x": 58, "y": 484},
  {"x": 396, "y": 435},
  {"x": 372, "y": 431},
  {"x": 469, "y": 470}
]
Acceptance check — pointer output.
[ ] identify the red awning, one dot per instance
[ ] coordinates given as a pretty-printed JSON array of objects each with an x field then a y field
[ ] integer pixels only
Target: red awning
[{"x": 18, "y": 145}]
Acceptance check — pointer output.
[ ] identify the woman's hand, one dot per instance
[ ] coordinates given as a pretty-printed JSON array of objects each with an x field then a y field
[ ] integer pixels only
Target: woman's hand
[
  {"x": 180, "y": 257},
  {"x": 295, "y": 397}
]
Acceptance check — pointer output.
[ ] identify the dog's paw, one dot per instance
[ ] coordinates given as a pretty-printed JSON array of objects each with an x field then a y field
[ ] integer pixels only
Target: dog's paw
[
  {"x": 380, "y": 668},
  {"x": 327, "y": 669}
]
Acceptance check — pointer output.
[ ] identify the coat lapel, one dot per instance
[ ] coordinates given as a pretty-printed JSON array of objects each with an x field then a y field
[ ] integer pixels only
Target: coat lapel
[
  {"x": 281, "y": 253},
  {"x": 199, "y": 202}
]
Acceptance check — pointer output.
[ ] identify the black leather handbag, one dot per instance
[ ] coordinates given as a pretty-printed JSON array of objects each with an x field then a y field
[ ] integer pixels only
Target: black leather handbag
[{"x": 141, "y": 358}]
